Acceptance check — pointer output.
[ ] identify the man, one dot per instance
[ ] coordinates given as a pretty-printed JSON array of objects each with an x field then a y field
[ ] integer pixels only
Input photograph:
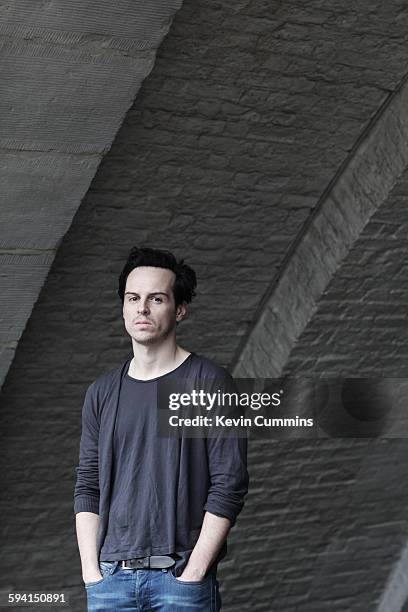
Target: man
[{"x": 153, "y": 512}]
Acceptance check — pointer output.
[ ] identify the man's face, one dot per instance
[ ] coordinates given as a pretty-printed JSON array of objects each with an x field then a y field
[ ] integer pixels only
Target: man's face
[{"x": 149, "y": 309}]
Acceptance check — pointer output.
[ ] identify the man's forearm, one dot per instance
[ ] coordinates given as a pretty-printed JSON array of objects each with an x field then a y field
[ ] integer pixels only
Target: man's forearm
[
  {"x": 87, "y": 525},
  {"x": 213, "y": 533}
]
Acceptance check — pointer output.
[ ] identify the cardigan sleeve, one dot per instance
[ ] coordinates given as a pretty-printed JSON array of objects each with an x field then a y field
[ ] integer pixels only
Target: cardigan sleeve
[
  {"x": 86, "y": 493},
  {"x": 227, "y": 461}
]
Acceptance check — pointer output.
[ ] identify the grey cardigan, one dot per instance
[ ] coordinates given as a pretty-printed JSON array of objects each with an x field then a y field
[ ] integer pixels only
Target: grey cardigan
[{"x": 219, "y": 465}]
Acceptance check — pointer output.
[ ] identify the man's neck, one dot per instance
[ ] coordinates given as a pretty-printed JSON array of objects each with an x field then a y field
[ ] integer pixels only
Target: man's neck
[{"x": 151, "y": 362}]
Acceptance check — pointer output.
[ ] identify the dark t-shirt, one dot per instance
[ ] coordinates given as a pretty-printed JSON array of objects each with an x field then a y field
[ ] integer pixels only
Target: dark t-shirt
[
  {"x": 162, "y": 486},
  {"x": 145, "y": 474}
]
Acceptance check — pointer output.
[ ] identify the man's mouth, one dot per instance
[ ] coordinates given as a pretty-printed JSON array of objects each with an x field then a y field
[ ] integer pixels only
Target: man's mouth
[{"x": 143, "y": 323}]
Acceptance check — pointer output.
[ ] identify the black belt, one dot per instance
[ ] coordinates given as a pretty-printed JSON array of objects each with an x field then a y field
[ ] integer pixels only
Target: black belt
[{"x": 153, "y": 562}]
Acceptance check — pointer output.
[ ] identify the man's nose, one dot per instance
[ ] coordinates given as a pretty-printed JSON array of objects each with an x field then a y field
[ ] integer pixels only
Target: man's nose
[{"x": 143, "y": 307}]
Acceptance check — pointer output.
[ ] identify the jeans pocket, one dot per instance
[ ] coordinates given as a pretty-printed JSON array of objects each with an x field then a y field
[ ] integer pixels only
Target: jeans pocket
[
  {"x": 191, "y": 583},
  {"x": 91, "y": 584},
  {"x": 106, "y": 568}
]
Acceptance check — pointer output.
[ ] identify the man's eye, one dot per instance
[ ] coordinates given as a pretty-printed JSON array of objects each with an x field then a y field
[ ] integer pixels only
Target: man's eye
[
  {"x": 132, "y": 298},
  {"x": 158, "y": 300}
]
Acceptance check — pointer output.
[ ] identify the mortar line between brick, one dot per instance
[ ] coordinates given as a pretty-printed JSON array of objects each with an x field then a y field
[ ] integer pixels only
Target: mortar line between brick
[{"x": 27, "y": 251}]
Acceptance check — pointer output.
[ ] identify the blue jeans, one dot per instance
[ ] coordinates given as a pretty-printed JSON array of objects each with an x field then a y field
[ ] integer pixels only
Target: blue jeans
[{"x": 151, "y": 590}]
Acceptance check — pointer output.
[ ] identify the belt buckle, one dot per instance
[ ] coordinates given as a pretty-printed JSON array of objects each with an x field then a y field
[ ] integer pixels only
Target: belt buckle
[
  {"x": 124, "y": 566},
  {"x": 141, "y": 563}
]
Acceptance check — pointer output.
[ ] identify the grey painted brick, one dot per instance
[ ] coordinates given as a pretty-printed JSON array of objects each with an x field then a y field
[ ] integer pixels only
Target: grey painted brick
[{"x": 366, "y": 301}]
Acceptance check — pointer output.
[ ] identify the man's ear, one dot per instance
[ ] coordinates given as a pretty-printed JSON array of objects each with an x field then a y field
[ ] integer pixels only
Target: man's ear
[{"x": 181, "y": 311}]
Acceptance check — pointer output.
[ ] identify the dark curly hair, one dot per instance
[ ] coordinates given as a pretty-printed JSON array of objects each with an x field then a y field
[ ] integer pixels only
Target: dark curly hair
[{"x": 185, "y": 283}]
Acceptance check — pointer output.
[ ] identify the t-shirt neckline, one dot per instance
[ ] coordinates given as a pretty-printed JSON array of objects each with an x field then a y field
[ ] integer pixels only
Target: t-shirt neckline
[{"x": 149, "y": 380}]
